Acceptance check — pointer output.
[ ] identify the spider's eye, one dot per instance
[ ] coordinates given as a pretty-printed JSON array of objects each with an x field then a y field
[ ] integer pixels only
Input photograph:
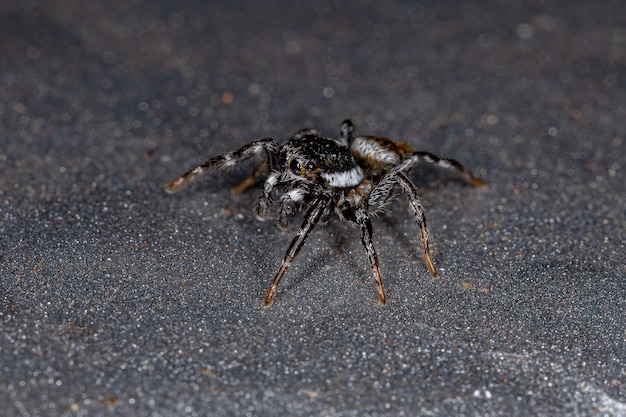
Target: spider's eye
[{"x": 295, "y": 167}]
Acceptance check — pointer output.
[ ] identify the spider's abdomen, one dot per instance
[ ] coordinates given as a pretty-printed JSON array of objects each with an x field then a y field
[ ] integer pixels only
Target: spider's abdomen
[
  {"x": 378, "y": 152},
  {"x": 314, "y": 157}
]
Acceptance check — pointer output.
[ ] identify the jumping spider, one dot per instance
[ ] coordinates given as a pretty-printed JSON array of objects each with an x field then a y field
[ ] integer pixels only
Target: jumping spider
[{"x": 354, "y": 176}]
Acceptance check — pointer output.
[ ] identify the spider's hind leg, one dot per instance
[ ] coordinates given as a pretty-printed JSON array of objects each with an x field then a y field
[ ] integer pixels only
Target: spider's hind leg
[
  {"x": 226, "y": 161},
  {"x": 440, "y": 162}
]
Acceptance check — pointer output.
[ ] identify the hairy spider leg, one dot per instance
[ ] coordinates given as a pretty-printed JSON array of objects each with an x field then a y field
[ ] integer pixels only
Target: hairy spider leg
[
  {"x": 289, "y": 204},
  {"x": 311, "y": 218},
  {"x": 360, "y": 217},
  {"x": 264, "y": 201},
  {"x": 328, "y": 212},
  {"x": 345, "y": 131},
  {"x": 381, "y": 194},
  {"x": 412, "y": 160},
  {"x": 228, "y": 160},
  {"x": 420, "y": 218}
]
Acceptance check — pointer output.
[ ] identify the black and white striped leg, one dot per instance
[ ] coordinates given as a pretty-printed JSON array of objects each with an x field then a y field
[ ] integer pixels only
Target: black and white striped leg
[
  {"x": 345, "y": 131},
  {"x": 417, "y": 157},
  {"x": 382, "y": 193},
  {"x": 225, "y": 161},
  {"x": 361, "y": 217},
  {"x": 420, "y": 218},
  {"x": 310, "y": 220}
]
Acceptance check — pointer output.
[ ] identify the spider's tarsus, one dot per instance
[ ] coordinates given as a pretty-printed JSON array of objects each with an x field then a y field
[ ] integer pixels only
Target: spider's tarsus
[
  {"x": 175, "y": 185},
  {"x": 269, "y": 300},
  {"x": 382, "y": 297},
  {"x": 477, "y": 181},
  {"x": 431, "y": 265}
]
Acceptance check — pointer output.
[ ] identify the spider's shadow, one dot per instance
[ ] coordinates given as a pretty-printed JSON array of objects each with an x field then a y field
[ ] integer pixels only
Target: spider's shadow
[
  {"x": 311, "y": 266},
  {"x": 387, "y": 226},
  {"x": 428, "y": 178}
]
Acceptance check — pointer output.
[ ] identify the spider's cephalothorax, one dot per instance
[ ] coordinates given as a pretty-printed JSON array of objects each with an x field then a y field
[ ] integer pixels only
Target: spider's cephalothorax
[{"x": 353, "y": 176}]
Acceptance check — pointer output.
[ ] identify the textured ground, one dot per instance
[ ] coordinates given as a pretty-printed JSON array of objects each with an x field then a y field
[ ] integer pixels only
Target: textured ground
[{"x": 118, "y": 298}]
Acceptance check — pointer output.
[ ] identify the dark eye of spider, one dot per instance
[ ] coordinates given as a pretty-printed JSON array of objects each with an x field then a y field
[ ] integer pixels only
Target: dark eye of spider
[{"x": 295, "y": 167}]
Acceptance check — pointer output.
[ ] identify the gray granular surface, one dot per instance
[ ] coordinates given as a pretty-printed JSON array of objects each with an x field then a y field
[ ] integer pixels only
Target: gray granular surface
[{"x": 119, "y": 299}]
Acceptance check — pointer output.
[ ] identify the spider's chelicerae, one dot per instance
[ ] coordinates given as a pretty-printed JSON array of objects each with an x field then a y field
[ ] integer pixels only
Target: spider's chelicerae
[{"x": 353, "y": 176}]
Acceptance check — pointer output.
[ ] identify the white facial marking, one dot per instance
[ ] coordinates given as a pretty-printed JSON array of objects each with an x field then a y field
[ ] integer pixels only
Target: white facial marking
[{"x": 344, "y": 179}]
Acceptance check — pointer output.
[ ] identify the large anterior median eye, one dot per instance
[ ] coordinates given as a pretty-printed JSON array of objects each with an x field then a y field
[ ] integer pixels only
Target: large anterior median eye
[{"x": 295, "y": 167}]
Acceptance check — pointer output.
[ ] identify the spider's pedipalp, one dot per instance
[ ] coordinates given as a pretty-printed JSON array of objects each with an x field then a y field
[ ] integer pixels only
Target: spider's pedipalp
[
  {"x": 264, "y": 201},
  {"x": 289, "y": 204},
  {"x": 226, "y": 161}
]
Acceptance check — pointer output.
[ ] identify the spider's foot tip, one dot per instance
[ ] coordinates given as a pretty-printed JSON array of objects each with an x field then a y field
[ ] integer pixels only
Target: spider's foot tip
[
  {"x": 174, "y": 186},
  {"x": 268, "y": 300},
  {"x": 478, "y": 182},
  {"x": 431, "y": 267},
  {"x": 382, "y": 298},
  {"x": 283, "y": 223}
]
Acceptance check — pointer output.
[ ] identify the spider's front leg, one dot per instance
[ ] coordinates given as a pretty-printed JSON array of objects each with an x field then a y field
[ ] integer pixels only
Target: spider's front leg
[
  {"x": 358, "y": 215},
  {"x": 228, "y": 160},
  {"x": 310, "y": 220},
  {"x": 381, "y": 194}
]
